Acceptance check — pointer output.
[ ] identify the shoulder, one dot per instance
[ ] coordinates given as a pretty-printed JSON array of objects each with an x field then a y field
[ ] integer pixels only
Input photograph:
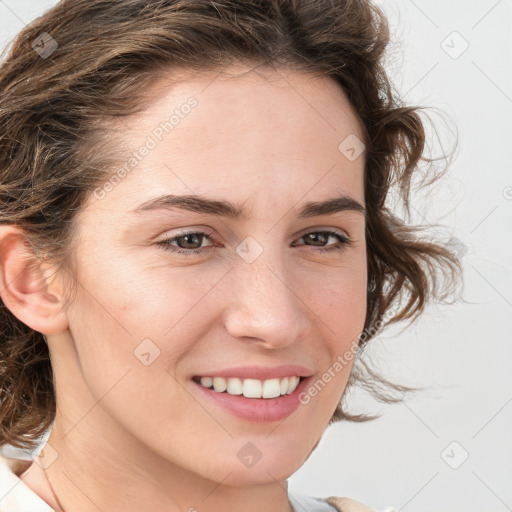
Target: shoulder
[
  {"x": 348, "y": 505},
  {"x": 302, "y": 503}
]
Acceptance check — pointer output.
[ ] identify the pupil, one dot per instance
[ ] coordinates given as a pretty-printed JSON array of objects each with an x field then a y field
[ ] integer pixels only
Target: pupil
[
  {"x": 191, "y": 235},
  {"x": 316, "y": 236}
]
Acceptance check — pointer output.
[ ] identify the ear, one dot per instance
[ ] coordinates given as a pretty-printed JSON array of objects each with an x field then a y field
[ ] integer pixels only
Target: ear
[{"x": 24, "y": 288}]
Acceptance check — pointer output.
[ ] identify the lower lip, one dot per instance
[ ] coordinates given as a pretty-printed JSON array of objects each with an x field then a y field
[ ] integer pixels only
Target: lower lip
[{"x": 260, "y": 410}]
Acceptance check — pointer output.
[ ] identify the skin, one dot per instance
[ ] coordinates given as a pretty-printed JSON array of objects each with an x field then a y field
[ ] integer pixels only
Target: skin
[{"x": 133, "y": 437}]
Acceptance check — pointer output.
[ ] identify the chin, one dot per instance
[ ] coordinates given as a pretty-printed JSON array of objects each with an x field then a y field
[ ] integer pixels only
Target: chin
[
  {"x": 260, "y": 463},
  {"x": 260, "y": 474}
]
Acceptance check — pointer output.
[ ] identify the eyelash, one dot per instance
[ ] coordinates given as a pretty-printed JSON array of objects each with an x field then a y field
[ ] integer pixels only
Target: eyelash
[{"x": 344, "y": 242}]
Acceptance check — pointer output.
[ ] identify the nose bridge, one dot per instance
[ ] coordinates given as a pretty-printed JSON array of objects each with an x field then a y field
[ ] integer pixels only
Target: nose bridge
[{"x": 264, "y": 305}]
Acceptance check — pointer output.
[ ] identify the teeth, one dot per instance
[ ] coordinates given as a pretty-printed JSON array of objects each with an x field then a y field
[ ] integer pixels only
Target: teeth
[
  {"x": 271, "y": 388},
  {"x": 219, "y": 384},
  {"x": 293, "y": 382},
  {"x": 235, "y": 387},
  {"x": 252, "y": 388},
  {"x": 206, "y": 382}
]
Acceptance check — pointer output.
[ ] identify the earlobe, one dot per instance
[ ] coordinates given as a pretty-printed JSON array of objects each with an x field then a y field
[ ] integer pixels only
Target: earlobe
[{"x": 24, "y": 288}]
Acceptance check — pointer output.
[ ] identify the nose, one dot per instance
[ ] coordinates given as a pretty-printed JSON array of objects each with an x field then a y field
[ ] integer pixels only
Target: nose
[{"x": 264, "y": 306}]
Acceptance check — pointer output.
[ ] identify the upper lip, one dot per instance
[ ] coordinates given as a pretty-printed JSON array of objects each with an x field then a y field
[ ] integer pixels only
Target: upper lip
[{"x": 260, "y": 372}]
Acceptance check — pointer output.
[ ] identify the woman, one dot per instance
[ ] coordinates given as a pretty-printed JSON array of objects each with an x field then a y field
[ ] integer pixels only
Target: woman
[{"x": 195, "y": 247}]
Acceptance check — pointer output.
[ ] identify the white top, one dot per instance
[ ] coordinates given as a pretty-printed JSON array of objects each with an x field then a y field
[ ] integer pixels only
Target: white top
[{"x": 15, "y": 495}]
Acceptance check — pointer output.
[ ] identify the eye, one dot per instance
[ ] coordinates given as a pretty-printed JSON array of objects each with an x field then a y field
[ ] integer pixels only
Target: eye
[
  {"x": 192, "y": 238},
  {"x": 190, "y": 243},
  {"x": 323, "y": 236}
]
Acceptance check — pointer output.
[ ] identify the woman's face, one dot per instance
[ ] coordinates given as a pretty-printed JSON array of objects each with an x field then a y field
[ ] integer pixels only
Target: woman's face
[{"x": 171, "y": 290}]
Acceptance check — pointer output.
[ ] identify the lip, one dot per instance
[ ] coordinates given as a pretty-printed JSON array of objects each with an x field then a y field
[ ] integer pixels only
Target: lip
[
  {"x": 260, "y": 372},
  {"x": 256, "y": 410}
]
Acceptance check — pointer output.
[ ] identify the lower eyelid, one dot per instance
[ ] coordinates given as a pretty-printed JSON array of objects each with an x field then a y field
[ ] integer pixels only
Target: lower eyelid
[
  {"x": 166, "y": 243},
  {"x": 340, "y": 237}
]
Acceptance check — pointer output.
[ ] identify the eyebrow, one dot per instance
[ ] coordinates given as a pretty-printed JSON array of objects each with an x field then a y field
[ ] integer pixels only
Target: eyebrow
[{"x": 227, "y": 209}]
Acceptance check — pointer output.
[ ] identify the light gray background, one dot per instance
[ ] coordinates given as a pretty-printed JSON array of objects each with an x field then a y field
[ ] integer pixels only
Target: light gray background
[{"x": 413, "y": 457}]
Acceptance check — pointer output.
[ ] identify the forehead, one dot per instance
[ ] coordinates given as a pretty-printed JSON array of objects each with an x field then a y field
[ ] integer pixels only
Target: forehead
[
  {"x": 281, "y": 93},
  {"x": 242, "y": 133}
]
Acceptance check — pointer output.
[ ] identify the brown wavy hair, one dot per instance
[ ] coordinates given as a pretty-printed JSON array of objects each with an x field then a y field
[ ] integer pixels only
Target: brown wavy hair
[{"x": 54, "y": 147}]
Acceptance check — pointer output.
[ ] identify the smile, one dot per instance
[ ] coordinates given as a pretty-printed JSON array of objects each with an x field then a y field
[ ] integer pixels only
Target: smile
[
  {"x": 260, "y": 394},
  {"x": 251, "y": 388}
]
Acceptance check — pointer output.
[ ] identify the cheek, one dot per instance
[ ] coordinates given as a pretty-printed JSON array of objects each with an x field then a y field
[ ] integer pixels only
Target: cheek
[
  {"x": 338, "y": 298},
  {"x": 340, "y": 306},
  {"x": 138, "y": 317},
  {"x": 339, "y": 303},
  {"x": 343, "y": 315}
]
